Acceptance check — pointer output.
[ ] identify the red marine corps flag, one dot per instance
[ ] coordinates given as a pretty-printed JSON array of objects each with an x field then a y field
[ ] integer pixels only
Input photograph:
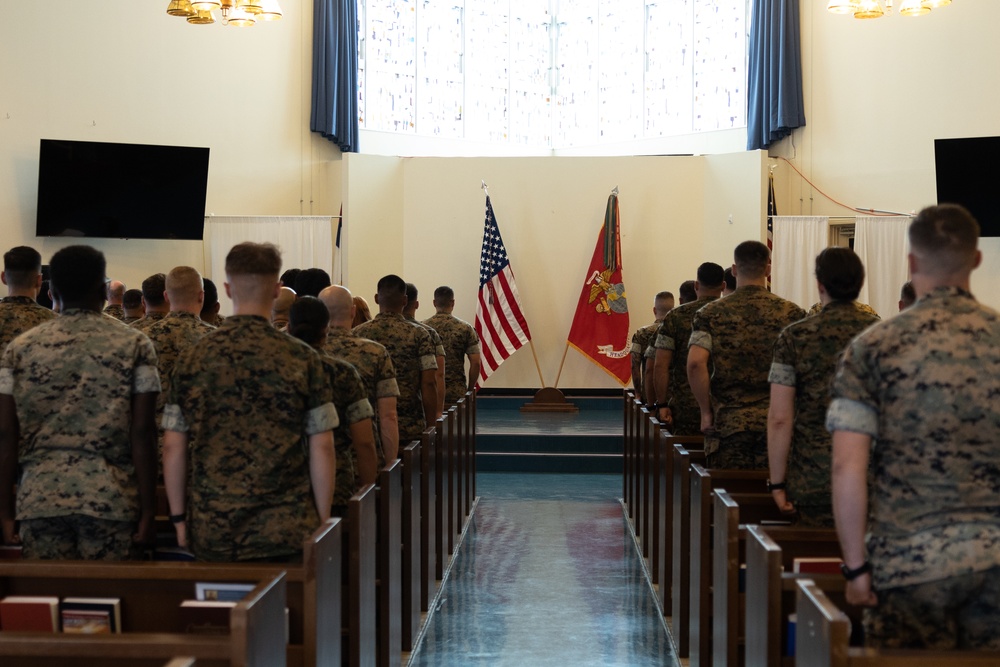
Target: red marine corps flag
[{"x": 600, "y": 326}]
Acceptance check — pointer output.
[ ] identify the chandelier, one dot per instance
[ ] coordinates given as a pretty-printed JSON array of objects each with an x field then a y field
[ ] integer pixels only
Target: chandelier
[
  {"x": 239, "y": 13},
  {"x": 873, "y": 9}
]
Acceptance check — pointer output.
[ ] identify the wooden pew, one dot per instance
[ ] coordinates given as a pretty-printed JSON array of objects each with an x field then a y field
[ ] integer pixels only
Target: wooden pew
[
  {"x": 443, "y": 490},
  {"x": 770, "y": 585},
  {"x": 647, "y": 430},
  {"x": 757, "y": 505},
  {"x": 388, "y": 569},
  {"x": 411, "y": 546},
  {"x": 663, "y": 564},
  {"x": 429, "y": 568},
  {"x": 360, "y": 615},
  {"x": 256, "y": 638},
  {"x": 821, "y": 640},
  {"x": 628, "y": 398},
  {"x": 681, "y": 530},
  {"x": 313, "y": 590},
  {"x": 454, "y": 523},
  {"x": 471, "y": 397}
]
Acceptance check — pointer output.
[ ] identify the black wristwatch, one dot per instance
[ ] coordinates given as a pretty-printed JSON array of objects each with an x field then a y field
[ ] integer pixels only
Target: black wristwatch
[
  {"x": 776, "y": 486},
  {"x": 178, "y": 518},
  {"x": 851, "y": 575}
]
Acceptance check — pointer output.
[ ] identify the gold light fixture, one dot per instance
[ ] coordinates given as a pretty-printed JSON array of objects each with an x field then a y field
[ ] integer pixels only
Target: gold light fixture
[
  {"x": 239, "y": 13},
  {"x": 873, "y": 9}
]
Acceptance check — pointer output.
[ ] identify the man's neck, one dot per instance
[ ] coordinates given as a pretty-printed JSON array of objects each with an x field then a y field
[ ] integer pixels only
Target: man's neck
[
  {"x": 751, "y": 282},
  {"x": 444, "y": 311},
  {"x": 93, "y": 306},
  {"x": 29, "y": 293},
  {"x": 924, "y": 285},
  {"x": 258, "y": 309},
  {"x": 191, "y": 310}
]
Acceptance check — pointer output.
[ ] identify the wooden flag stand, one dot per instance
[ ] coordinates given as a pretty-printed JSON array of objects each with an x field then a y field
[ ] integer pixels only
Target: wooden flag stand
[{"x": 549, "y": 399}]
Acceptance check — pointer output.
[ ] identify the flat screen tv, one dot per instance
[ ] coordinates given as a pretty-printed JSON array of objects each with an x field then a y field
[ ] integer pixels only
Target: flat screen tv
[
  {"x": 122, "y": 191},
  {"x": 968, "y": 173}
]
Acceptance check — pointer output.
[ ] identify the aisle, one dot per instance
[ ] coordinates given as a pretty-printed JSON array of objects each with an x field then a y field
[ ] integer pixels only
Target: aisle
[{"x": 547, "y": 575}]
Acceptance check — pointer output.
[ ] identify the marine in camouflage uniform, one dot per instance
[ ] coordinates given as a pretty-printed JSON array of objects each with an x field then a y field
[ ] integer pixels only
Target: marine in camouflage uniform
[
  {"x": 351, "y": 400},
  {"x": 673, "y": 336},
  {"x": 641, "y": 340},
  {"x": 805, "y": 357},
  {"x": 371, "y": 360},
  {"x": 116, "y": 311},
  {"x": 17, "y": 315},
  {"x": 412, "y": 353},
  {"x": 245, "y": 396},
  {"x": 739, "y": 332},
  {"x": 460, "y": 340},
  {"x": 146, "y": 322},
  {"x": 863, "y": 308},
  {"x": 73, "y": 379}
]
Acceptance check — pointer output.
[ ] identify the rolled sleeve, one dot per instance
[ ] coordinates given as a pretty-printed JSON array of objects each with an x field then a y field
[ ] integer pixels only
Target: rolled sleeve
[
  {"x": 782, "y": 374},
  {"x": 845, "y": 414},
  {"x": 387, "y": 388},
  {"x": 146, "y": 380},
  {"x": 359, "y": 410},
  {"x": 701, "y": 339},
  {"x": 665, "y": 342},
  {"x": 321, "y": 418},
  {"x": 173, "y": 419},
  {"x": 473, "y": 349},
  {"x": 6, "y": 381},
  {"x": 636, "y": 347},
  {"x": 650, "y": 353},
  {"x": 428, "y": 362}
]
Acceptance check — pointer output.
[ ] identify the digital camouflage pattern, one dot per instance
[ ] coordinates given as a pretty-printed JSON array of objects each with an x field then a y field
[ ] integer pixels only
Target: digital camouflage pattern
[
  {"x": 739, "y": 332},
  {"x": 373, "y": 363},
  {"x": 924, "y": 385},
  {"x": 72, "y": 379},
  {"x": 860, "y": 307},
  {"x": 641, "y": 340},
  {"x": 144, "y": 323},
  {"x": 130, "y": 320},
  {"x": 673, "y": 335},
  {"x": 215, "y": 320},
  {"x": 805, "y": 357},
  {"x": 171, "y": 335},
  {"x": 460, "y": 340},
  {"x": 246, "y": 396},
  {"x": 412, "y": 352},
  {"x": 17, "y": 315},
  {"x": 116, "y": 311},
  {"x": 351, "y": 400},
  {"x": 77, "y": 537}
]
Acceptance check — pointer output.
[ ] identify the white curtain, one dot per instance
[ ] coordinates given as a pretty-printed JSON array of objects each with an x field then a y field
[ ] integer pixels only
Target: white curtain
[
  {"x": 797, "y": 240},
  {"x": 881, "y": 243},
  {"x": 305, "y": 241}
]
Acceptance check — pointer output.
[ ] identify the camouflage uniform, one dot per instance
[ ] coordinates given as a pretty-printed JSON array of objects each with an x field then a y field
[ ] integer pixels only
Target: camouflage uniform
[
  {"x": 805, "y": 357},
  {"x": 372, "y": 362},
  {"x": 17, "y": 315},
  {"x": 130, "y": 319},
  {"x": 171, "y": 335},
  {"x": 863, "y": 308},
  {"x": 73, "y": 379},
  {"x": 144, "y": 323},
  {"x": 460, "y": 340},
  {"x": 641, "y": 340},
  {"x": 739, "y": 332},
  {"x": 412, "y": 353},
  {"x": 924, "y": 386},
  {"x": 351, "y": 400},
  {"x": 115, "y": 311},
  {"x": 215, "y": 320},
  {"x": 246, "y": 395},
  {"x": 673, "y": 335}
]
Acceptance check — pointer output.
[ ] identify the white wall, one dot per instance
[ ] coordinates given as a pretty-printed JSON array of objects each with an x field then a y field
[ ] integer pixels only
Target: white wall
[{"x": 877, "y": 95}]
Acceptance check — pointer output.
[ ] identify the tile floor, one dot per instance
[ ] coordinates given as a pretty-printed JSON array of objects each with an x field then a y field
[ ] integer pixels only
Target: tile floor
[{"x": 547, "y": 575}]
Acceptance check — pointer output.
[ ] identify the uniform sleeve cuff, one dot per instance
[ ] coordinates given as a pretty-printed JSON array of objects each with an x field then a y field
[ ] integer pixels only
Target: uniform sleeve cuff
[
  {"x": 845, "y": 414},
  {"x": 665, "y": 343},
  {"x": 701, "y": 339},
  {"x": 321, "y": 418},
  {"x": 146, "y": 381},
  {"x": 6, "y": 382},
  {"x": 782, "y": 374},
  {"x": 173, "y": 419},
  {"x": 387, "y": 389}
]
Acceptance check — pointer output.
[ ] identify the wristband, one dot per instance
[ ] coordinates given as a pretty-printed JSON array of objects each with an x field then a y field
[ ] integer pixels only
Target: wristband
[
  {"x": 851, "y": 575},
  {"x": 178, "y": 518},
  {"x": 776, "y": 486}
]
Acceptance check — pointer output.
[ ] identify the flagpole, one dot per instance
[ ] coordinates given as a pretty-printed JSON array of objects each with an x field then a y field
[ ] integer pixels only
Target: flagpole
[
  {"x": 537, "y": 365},
  {"x": 559, "y": 374}
]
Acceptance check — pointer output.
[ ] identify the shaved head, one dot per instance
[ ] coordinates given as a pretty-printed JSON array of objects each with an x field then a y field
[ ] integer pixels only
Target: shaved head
[
  {"x": 185, "y": 289},
  {"x": 340, "y": 304},
  {"x": 283, "y": 304}
]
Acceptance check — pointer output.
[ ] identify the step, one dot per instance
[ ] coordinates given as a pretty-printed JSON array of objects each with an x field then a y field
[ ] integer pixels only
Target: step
[{"x": 554, "y": 463}]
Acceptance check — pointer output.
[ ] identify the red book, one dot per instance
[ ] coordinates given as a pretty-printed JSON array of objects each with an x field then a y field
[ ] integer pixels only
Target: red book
[
  {"x": 29, "y": 613},
  {"x": 816, "y": 565}
]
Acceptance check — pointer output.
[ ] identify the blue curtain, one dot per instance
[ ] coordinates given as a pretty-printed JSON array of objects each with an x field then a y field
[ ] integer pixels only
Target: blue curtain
[
  {"x": 774, "y": 74},
  {"x": 335, "y": 72}
]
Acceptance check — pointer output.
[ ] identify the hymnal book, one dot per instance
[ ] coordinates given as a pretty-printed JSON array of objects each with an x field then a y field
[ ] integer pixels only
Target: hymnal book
[
  {"x": 10, "y": 553},
  {"x": 816, "y": 565},
  {"x": 222, "y": 592},
  {"x": 206, "y": 617},
  {"x": 29, "y": 613},
  {"x": 91, "y": 616}
]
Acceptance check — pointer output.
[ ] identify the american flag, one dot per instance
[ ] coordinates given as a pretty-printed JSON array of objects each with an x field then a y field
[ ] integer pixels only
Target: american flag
[
  {"x": 500, "y": 319},
  {"x": 772, "y": 210}
]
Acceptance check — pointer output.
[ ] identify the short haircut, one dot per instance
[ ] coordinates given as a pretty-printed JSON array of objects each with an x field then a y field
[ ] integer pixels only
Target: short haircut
[
  {"x": 153, "y": 288},
  {"x": 840, "y": 272},
  {"x": 307, "y": 319},
  {"x": 289, "y": 276},
  {"x": 907, "y": 294},
  {"x": 729, "y": 279},
  {"x": 392, "y": 291},
  {"x": 310, "y": 282},
  {"x": 43, "y": 296},
  {"x": 77, "y": 272},
  {"x": 22, "y": 265},
  {"x": 947, "y": 233},
  {"x": 444, "y": 294},
  {"x": 211, "y": 294},
  {"x": 132, "y": 299},
  {"x": 362, "y": 313},
  {"x": 116, "y": 289},
  {"x": 751, "y": 258},
  {"x": 687, "y": 291},
  {"x": 253, "y": 259},
  {"x": 183, "y": 284},
  {"x": 711, "y": 274},
  {"x": 411, "y": 293}
]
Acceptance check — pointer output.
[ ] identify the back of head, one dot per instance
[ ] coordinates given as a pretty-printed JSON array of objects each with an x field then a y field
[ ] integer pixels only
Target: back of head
[
  {"x": 411, "y": 299},
  {"x": 712, "y": 275},
  {"x": 211, "y": 295},
  {"x": 444, "y": 297},
  {"x": 338, "y": 302},
  {"x": 184, "y": 286},
  {"x": 751, "y": 259},
  {"x": 289, "y": 277},
  {"x": 663, "y": 303},
  {"x": 907, "y": 295},
  {"x": 841, "y": 273},
  {"x": 77, "y": 274},
  {"x": 252, "y": 272},
  {"x": 944, "y": 240},
  {"x": 152, "y": 290},
  {"x": 392, "y": 292},
  {"x": 310, "y": 282},
  {"x": 22, "y": 266},
  {"x": 308, "y": 319},
  {"x": 286, "y": 297},
  {"x": 116, "y": 291},
  {"x": 686, "y": 292},
  {"x": 729, "y": 279},
  {"x": 132, "y": 300},
  {"x": 362, "y": 313},
  {"x": 43, "y": 299}
]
